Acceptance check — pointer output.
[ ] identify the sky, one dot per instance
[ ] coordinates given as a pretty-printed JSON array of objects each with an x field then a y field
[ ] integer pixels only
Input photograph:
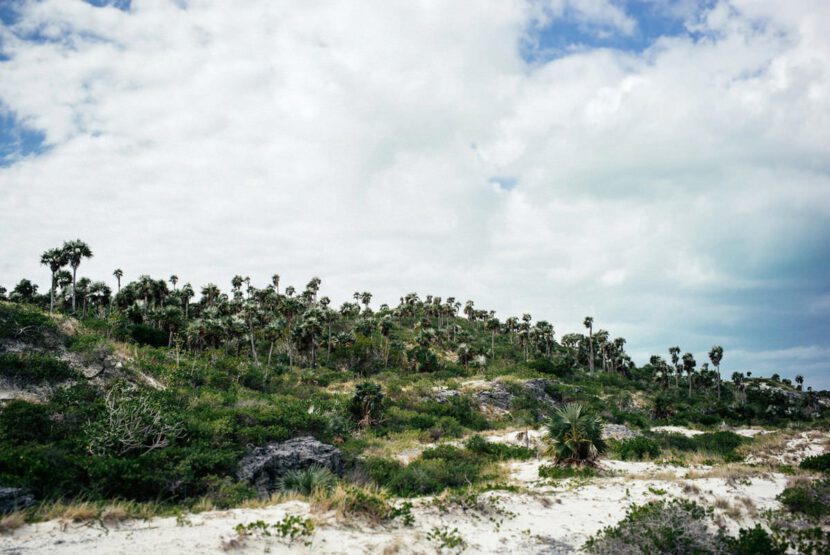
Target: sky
[{"x": 663, "y": 166}]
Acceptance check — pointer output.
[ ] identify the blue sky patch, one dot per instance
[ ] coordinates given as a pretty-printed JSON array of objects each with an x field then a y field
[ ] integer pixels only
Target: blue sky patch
[
  {"x": 569, "y": 32},
  {"x": 505, "y": 183},
  {"x": 17, "y": 140}
]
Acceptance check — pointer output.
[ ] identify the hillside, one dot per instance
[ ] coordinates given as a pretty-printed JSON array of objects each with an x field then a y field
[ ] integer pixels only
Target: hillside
[{"x": 423, "y": 418}]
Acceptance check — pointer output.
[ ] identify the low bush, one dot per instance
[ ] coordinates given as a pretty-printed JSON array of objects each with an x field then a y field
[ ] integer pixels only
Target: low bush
[
  {"x": 677, "y": 442},
  {"x": 752, "y": 541},
  {"x": 678, "y": 527},
  {"x": 809, "y": 498},
  {"x": 498, "y": 451},
  {"x": 436, "y": 470},
  {"x": 820, "y": 463},
  {"x": 637, "y": 448},
  {"x": 32, "y": 367},
  {"x": 720, "y": 443}
]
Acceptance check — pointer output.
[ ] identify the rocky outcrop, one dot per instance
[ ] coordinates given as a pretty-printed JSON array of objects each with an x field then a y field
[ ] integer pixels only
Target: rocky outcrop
[
  {"x": 14, "y": 499},
  {"x": 445, "y": 395},
  {"x": 265, "y": 466},
  {"x": 500, "y": 397},
  {"x": 495, "y": 396},
  {"x": 618, "y": 431}
]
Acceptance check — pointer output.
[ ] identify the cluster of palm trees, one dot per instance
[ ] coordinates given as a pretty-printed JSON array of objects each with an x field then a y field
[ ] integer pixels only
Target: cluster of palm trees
[
  {"x": 598, "y": 347},
  {"x": 302, "y": 326},
  {"x": 686, "y": 364},
  {"x": 71, "y": 254}
]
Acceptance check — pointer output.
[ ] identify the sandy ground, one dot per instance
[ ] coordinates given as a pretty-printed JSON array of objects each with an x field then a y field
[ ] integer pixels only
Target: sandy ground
[{"x": 542, "y": 517}]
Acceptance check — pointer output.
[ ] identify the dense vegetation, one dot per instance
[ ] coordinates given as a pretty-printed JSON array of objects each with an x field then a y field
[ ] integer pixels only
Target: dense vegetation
[{"x": 155, "y": 394}]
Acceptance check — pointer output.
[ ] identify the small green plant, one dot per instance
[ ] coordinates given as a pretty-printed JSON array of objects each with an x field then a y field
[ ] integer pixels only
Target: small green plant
[
  {"x": 403, "y": 512},
  {"x": 656, "y": 491},
  {"x": 306, "y": 480},
  {"x": 446, "y": 538},
  {"x": 292, "y": 527}
]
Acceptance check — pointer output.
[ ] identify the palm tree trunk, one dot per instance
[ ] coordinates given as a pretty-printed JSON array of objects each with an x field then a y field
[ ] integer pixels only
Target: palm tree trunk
[
  {"x": 493, "y": 344},
  {"x": 52, "y": 295},
  {"x": 74, "y": 273},
  {"x": 270, "y": 351}
]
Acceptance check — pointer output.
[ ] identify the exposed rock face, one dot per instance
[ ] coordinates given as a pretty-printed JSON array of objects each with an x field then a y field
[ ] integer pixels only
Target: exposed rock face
[
  {"x": 13, "y": 499},
  {"x": 265, "y": 465},
  {"x": 496, "y": 396},
  {"x": 500, "y": 397},
  {"x": 618, "y": 431},
  {"x": 444, "y": 395},
  {"x": 536, "y": 387}
]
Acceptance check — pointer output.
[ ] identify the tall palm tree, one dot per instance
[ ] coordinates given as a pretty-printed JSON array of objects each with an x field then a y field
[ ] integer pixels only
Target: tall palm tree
[
  {"x": 187, "y": 294},
  {"x": 799, "y": 379},
  {"x": 76, "y": 251},
  {"x": 675, "y": 360},
  {"x": 275, "y": 280},
  {"x": 716, "y": 355},
  {"x": 118, "y": 273},
  {"x": 589, "y": 323},
  {"x": 55, "y": 259},
  {"x": 689, "y": 366},
  {"x": 174, "y": 279}
]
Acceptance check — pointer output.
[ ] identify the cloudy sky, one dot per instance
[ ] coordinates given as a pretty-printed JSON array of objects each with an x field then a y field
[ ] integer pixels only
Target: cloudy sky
[{"x": 661, "y": 165}]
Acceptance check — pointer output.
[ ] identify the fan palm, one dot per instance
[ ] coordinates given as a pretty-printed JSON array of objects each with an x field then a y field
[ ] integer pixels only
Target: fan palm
[
  {"x": 576, "y": 434},
  {"x": 75, "y": 251},
  {"x": 55, "y": 259}
]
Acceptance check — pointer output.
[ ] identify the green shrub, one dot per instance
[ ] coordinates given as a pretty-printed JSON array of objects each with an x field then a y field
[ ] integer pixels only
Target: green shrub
[
  {"x": 811, "y": 499},
  {"x": 436, "y": 470},
  {"x": 753, "y": 541},
  {"x": 24, "y": 422},
  {"x": 820, "y": 463},
  {"x": 146, "y": 335},
  {"x": 677, "y": 442},
  {"x": 32, "y": 367},
  {"x": 498, "y": 451},
  {"x": 22, "y": 322},
  {"x": 677, "y": 527},
  {"x": 637, "y": 448},
  {"x": 721, "y": 443}
]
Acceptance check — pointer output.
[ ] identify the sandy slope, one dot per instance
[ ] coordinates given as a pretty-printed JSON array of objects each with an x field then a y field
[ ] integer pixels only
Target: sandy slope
[{"x": 546, "y": 517}]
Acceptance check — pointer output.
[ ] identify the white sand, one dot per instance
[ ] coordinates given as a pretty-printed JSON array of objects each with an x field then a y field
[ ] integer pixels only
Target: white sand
[{"x": 546, "y": 517}]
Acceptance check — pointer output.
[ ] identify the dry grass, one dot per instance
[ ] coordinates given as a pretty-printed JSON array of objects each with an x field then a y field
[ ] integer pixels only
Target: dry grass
[
  {"x": 348, "y": 502},
  {"x": 732, "y": 473},
  {"x": 114, "y": 513},
  {"x": 11, "y": 522},
  {"x": 691, "y": 489}
]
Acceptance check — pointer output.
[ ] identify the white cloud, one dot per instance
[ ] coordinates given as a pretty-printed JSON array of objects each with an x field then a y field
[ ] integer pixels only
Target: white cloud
[{"x": 358, "y": 142}]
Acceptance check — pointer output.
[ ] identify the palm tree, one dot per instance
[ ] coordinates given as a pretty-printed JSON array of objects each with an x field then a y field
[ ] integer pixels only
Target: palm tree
[
  {"x": 55, "y": 259},
  {"x": 187, "y": 294},
  {"x": 799, "y": 379},
  {"x": 689, "y": 366},
  {"x": 576, "y": 435},
  {"x": 716, "y": 355},
  {"x": 75, "y": 251},
  {"x": 275, "y": 281},
  {"x": 589, "y": 323},
  {"x": 493, "y": 325},
  {"x": 118, "y": 273},
  {"x": 675, "y": 360},
  {"x": 174, "y": 279}
]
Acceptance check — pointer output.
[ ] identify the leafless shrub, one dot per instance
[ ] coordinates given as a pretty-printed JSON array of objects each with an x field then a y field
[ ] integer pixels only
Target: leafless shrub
[{"x": 132, "y": 422}]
